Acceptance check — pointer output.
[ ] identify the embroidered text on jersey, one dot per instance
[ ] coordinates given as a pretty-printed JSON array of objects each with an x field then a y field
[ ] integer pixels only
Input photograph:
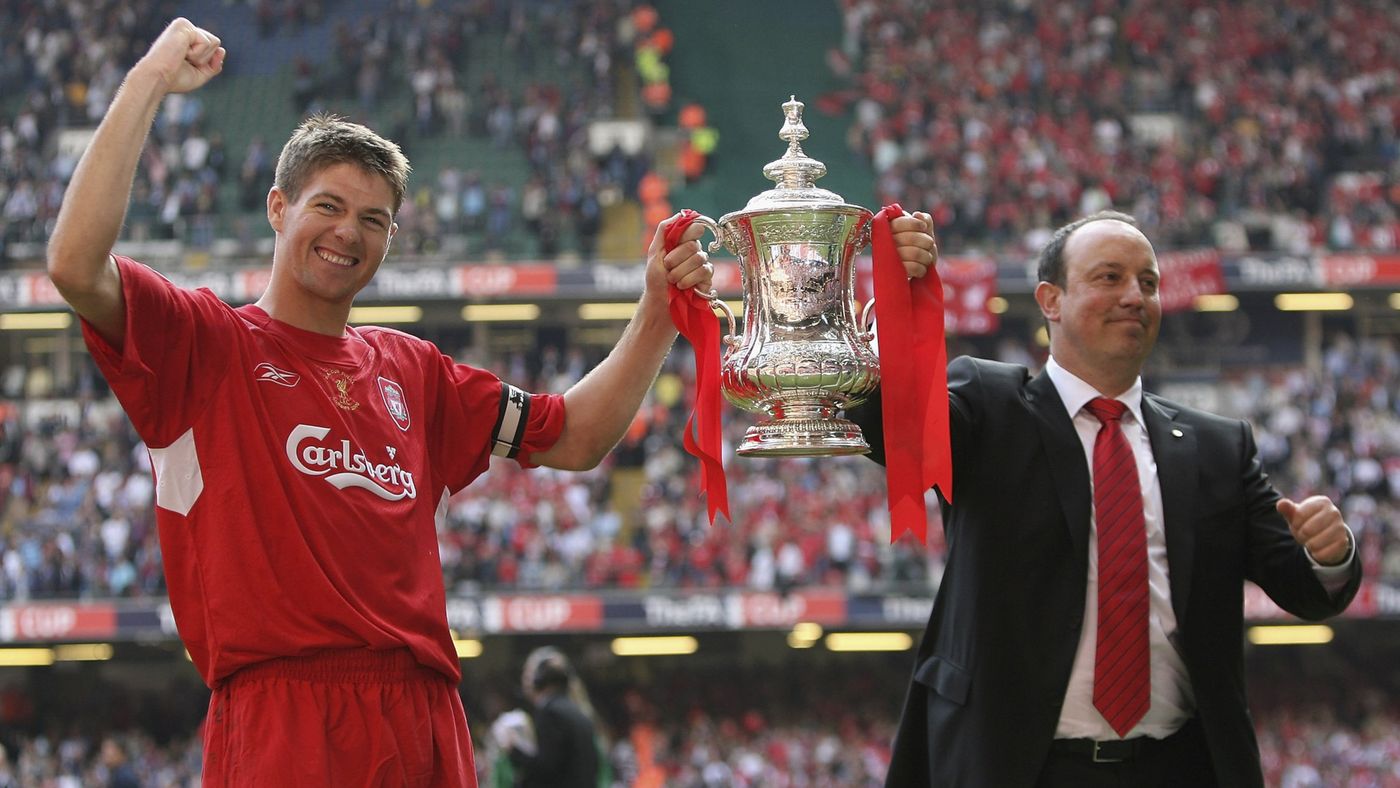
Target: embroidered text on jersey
[
  {"x": 346, "y": 465},
  {"x": 394, "y": 401},
  {"x": 341, "y": 382},
  {"x": 269, "y": 374}
]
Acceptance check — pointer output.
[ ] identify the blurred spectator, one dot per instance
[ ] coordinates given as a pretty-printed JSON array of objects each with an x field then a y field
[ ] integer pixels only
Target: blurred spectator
[
  {"x": 555, "y": 743},
  {"x": 120, "y": 772}
]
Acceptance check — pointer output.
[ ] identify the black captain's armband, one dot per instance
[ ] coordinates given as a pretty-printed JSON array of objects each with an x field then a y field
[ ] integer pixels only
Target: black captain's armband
[{"x": 511, "y": 418}]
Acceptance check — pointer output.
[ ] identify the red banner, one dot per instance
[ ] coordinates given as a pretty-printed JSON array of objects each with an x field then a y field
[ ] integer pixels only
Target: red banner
[
  {"x": 542, "y": 613},
  {"x": 622, "y": 612},
  {"x": 761, "y": 610},
  {"x": 969, "y": 283},
  {"x": 1345, "y": 270},
  {"x": 475, "y": 281},
  {"x": 55, "y": 622},
  {"x": 1186, "y": 275}
]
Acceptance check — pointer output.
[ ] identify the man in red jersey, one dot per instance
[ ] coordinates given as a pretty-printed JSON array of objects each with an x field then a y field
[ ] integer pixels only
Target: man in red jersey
[{"x": 302, "y": 465}]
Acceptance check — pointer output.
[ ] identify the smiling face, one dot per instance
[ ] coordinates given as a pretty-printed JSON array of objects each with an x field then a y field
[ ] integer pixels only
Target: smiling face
[
  {"x": 1105, "y": 317},
  {"x": 331, "y": 238}
]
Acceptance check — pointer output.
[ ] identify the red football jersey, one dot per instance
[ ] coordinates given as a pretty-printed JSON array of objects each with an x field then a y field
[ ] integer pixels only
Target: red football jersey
[{"x": 300, "y": 478}]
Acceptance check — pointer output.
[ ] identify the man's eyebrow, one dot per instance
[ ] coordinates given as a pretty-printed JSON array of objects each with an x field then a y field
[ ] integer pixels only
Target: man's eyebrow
[
  {"x": 1107, "y": 262},
  {"x": 337, "y": 199},
  {"x": 1117, "y": 263}
]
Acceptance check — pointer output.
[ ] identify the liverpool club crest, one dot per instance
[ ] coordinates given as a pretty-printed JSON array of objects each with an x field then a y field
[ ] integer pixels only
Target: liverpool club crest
[{"x": 394, "y": 402}]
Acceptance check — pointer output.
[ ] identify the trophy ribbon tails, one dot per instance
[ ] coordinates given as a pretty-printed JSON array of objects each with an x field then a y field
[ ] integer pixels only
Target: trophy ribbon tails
[
  {"x": 695, "y": 320},
  {"x": 913, "y": 382}
]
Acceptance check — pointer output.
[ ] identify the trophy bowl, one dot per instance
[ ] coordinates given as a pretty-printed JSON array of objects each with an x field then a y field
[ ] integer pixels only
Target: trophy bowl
[{"x": 803, "y": 355}]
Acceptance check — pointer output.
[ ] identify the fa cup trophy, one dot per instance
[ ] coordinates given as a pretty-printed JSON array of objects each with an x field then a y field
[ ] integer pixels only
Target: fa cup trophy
[{"x": 803, "y": 354}]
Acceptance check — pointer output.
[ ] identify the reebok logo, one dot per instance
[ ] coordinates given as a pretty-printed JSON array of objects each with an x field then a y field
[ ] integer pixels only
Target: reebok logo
[
  {"x": 267, "y": 373},
  {"x": 343, "y": 465}
]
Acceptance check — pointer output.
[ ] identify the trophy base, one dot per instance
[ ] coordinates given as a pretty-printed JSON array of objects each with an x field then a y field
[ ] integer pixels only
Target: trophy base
[{"x": 827, "y": 437}]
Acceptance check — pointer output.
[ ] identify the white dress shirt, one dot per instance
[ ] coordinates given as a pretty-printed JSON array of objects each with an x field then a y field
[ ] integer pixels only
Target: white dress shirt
[{"x": 1173, "y": 703}]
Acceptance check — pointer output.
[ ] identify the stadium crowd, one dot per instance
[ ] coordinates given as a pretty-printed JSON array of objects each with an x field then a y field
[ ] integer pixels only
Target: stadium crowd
[
  {"x": 1045, "y": 112},
  {"x": 76, "y": 501},
  {"x": 59, "y": 69},
  {"x": 1007, "y": 119},
  {"x": 563, "y": 54},
  {"x": 65, "y": 62}
]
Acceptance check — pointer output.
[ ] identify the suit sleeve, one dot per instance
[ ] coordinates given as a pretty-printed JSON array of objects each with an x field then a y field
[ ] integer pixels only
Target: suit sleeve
[
  {"x": 559, "y": 731},
  {"x": 1276, "y": 562},
  {"x": 547, "y": 765},
  {"x": 869, "y": 416},
  {"x": 962, "y": 380}
]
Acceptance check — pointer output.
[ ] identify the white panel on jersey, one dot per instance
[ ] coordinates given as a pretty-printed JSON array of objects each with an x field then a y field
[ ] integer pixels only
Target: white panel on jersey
[
  {"x": 440, "y": 514},
  {"x": 179, "y": 480}
]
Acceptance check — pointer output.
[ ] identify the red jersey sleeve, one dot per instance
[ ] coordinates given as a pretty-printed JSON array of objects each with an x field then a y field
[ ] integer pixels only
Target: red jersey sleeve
[
  {"x": 478, "y": 415},
  {"x": 174, "y": 355}
]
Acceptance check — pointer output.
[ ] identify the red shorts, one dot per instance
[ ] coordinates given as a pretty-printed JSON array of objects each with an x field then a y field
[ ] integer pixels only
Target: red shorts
[{"x": 340, "y": 718}]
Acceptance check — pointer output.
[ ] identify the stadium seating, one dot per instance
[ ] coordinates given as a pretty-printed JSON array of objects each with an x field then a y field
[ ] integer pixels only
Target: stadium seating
[{"x": 1002, "y": 120}]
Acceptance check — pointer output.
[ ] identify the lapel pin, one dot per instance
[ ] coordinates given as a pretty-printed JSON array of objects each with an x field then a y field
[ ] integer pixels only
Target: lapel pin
[{"x": 1177, "y": 433}]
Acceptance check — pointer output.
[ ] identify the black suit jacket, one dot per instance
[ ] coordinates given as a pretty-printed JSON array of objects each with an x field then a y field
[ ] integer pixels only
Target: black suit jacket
[
  {"x": 567, "y": 754},
  {"x": 995, "y": 659}
]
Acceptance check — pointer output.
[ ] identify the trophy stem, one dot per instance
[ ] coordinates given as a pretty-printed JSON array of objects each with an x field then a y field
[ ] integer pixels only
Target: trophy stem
[{"x": 807, "y": 429}]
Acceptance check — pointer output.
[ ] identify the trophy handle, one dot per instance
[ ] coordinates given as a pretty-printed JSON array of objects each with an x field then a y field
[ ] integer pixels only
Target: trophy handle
[
  {"x": 731, "y": 339},
  {"x": 713, "y": 227},
  {"x": 866, "y": 334}
]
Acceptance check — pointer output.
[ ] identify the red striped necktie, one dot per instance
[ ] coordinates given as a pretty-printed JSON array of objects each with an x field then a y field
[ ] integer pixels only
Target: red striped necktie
[{"x": 1122, "y": 678}]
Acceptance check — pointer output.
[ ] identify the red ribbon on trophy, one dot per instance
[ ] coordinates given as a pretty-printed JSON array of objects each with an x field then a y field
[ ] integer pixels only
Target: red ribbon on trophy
[
  {"x": 913, "y": 381},
  {"x": 695, "y": 320}
]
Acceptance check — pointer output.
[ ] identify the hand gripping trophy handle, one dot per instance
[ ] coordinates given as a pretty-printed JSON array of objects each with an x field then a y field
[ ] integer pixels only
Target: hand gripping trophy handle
[{"x": 731, "y": 340}]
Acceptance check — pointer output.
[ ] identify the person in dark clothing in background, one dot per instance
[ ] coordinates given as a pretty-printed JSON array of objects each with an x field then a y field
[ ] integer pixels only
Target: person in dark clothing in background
[
  {"x": 563, "y": 751},
  {"x": 120, "y": 773}
]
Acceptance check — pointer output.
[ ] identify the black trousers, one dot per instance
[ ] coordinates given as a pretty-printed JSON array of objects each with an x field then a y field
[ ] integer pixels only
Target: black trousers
[{"x": 1182, "y": 760}]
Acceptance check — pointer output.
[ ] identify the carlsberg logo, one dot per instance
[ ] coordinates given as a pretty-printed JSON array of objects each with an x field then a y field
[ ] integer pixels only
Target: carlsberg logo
[{"x": 345, "y": 466}]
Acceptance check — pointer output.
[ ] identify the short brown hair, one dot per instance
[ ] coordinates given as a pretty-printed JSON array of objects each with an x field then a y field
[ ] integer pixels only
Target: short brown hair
[
  {"x": 1051, "y": 267},
  {"x": 323, "y": 140}
]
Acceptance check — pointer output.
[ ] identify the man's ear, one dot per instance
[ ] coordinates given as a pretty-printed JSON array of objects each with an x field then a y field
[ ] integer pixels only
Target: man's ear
[
  {"x": 276, "y": 208},
  {"x": 1047, "y": 295}
]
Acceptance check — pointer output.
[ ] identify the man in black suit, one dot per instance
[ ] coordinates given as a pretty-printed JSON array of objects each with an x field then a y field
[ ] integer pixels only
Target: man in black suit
[
  {"x": 1004, "y": 689},
  {"x": 564, "y": 751}
]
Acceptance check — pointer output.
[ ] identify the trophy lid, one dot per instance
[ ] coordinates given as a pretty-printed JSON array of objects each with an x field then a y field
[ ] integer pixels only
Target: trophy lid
[{"x": 794, "y": 174}]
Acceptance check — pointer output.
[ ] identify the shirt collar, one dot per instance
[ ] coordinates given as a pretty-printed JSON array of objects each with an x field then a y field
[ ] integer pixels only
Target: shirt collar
[{"x": 1075, "y": 393}]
